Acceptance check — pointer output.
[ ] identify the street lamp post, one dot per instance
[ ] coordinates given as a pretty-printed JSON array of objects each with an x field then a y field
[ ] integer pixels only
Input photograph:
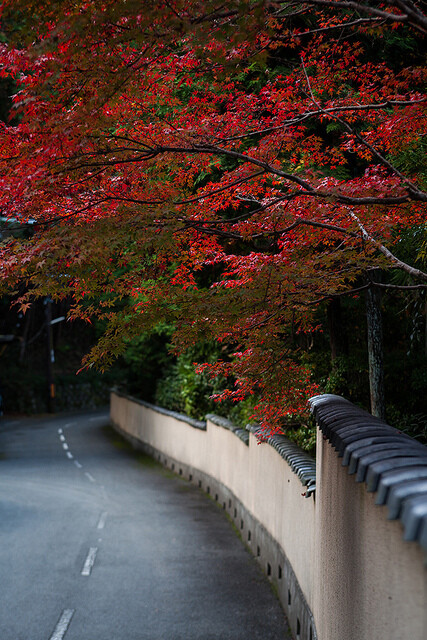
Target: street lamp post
[{"x": 50, "y": 354}]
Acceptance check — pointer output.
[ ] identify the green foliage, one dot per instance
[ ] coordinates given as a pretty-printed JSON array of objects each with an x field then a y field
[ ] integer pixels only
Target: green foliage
[
  {"x": 412, "y": 424},
  {"x": 184, "y": 390},
  {"x": 398, "y": 47},
  {"x": 241, "y": 413},
  {"x": 411, "y": 243},
  {"x": 412, "y": 160},
  {"x": 337, "y": 381},
  {"x": 22, "y": 390},
  {"x": 146, "y": 359},
  {"x": 254, "y": 77},
  {"x": 301, "y": 431}
]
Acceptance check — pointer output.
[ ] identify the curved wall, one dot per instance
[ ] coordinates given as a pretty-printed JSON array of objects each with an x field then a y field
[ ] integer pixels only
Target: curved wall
[
  {"x": 341, "y": 568},
  {"x": 252, "y": 482}
]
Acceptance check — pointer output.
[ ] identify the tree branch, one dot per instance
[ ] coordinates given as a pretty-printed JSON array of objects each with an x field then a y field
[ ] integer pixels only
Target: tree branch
[
  {"x": 412, "y": 188},
  {"x": 415, "y": 273},
  {"x": 410, "y": 14},
  {"x": 320, "y": 111}
]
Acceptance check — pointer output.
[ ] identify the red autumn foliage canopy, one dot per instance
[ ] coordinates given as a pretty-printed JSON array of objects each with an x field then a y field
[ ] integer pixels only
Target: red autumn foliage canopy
[{"x": 228, "y": 167}]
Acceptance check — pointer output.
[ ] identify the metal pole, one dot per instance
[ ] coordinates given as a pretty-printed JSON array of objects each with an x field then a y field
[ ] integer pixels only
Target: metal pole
[{"x": 50, "y": 356}]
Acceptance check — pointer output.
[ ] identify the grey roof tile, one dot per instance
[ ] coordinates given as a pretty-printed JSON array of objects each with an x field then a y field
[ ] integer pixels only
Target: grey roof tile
[{"x": 391, "y": 463}]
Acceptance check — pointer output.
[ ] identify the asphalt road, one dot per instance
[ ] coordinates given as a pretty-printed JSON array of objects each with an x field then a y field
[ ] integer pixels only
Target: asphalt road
[{"x": 100, "y": 543}]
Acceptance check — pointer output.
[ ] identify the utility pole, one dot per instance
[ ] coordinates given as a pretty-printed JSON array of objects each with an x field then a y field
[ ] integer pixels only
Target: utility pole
[{"x": 50, "y": 359}]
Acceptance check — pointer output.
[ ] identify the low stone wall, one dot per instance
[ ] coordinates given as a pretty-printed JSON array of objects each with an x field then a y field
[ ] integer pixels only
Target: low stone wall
[{"x": 342, "y": 570}]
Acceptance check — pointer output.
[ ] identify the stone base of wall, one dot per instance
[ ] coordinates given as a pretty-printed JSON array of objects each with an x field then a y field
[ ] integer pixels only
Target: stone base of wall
[{"x": 267, "y": 551}]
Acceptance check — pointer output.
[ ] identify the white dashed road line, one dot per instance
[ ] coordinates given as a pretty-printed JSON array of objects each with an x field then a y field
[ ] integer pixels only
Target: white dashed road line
[
  {"x": 63, "y": 624},
  {"x": 89, "y": 562},
  {"x": 102, "y": 519},
  {"x": 67, "y": 614}
]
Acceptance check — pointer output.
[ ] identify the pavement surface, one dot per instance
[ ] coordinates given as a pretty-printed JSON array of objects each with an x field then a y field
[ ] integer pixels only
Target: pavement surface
[{"x": 99, "y": 542}]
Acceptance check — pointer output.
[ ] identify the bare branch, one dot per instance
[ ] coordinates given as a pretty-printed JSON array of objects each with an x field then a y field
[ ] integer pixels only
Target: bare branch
[
  {"x": 410, "y": 15},
  {"x": 400, "y": 287},
  {"x": 321, "y": 111},
  {"x": 341, "y": 26},
  {"x": 226, "y": 187},
  {"x": 415, "y": 273}
]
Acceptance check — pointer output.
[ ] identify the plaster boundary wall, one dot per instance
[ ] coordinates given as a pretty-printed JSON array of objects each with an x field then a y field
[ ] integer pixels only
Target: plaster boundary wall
[
  {"x": 257, "y": 488},
  {"x": 371, "y": 517},
  {"x": 339, "y": 560}
]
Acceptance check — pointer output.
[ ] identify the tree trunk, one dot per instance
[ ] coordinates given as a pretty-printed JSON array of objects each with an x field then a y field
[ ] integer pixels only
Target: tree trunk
[
  {"x": 375, "y": 348},
  {"x": 425, "y": 329}
]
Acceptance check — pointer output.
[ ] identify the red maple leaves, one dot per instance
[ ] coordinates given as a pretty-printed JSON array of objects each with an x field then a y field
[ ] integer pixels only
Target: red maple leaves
[{"x": 251, "y": 170}]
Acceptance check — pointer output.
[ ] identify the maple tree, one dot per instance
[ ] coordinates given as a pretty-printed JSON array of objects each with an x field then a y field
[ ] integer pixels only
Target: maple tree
[{"x": 226, "y": 168}]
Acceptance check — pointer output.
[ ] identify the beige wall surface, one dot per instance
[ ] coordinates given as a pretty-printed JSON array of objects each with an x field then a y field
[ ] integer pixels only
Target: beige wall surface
[
  {"x": 359, "y": 578},
  {"x": 277, "y": 501},
  {"x": 369, "y": 582},
  {"x": 256, "y": 474}
]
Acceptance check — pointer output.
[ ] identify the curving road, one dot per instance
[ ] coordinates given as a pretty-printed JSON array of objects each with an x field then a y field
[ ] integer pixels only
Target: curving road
[{"x": 99, "y": 543}]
